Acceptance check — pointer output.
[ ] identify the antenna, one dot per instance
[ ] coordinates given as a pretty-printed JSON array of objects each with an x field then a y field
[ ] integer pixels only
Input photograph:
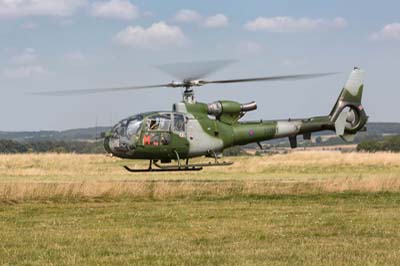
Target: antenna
[{"x": 96, "y": 128}]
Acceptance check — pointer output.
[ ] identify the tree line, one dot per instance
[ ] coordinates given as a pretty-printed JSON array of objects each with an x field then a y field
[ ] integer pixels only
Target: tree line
[
  {"x": 11, "y": 146},
  {"x": 391, "y": 143}
]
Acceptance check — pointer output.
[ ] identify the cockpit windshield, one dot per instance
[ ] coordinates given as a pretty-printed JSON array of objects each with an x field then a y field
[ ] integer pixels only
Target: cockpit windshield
[
  {"x": 134, "y": 126},
  {"x": 119, "y": 128},
  {"x": 128, "y": 127}
]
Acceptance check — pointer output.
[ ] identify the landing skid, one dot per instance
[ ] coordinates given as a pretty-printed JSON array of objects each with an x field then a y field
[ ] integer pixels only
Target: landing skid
[
  {"x": 164, "y": 169},
  {"x": 176, "y": 168}
]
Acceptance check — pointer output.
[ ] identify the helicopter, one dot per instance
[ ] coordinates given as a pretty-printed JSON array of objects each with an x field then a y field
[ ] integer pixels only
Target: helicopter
[{"x": 194, "y": 129}]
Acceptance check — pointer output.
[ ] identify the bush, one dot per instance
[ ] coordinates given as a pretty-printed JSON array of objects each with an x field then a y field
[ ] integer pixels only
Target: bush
[
  {"x": 233, "y": 151},
  {"x": 11, "y": 146},
  {"x": 391, "y": 143}
]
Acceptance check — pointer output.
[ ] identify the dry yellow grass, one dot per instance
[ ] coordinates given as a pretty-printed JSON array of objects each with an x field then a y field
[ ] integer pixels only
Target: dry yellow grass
[
  {"x": 221, "y": 216},
  {"x": 44, "y": 176}
]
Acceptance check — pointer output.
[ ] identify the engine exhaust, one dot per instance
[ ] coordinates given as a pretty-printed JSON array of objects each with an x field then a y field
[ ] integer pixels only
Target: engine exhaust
[{"x": 246, "y": 107}]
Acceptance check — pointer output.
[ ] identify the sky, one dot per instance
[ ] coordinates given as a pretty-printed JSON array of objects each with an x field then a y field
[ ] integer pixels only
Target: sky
[{"x": 49, "y": 45}]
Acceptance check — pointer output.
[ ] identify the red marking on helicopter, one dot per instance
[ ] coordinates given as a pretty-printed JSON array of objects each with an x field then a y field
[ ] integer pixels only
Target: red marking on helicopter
[
  {"x": 146, "y": 140},
  {"x": 251, "y": 132}
]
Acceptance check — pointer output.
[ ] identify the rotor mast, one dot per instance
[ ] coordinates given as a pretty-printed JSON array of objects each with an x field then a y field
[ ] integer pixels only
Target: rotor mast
[{"x": 188, "y": 95}]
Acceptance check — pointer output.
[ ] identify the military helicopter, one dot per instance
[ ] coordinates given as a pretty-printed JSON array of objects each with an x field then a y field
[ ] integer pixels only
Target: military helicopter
[{"x": 194, "y": 129}]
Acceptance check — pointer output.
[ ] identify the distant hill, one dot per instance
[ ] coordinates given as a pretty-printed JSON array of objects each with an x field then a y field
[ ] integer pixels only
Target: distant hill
[
  {"x": 374, "y": 128},
  {"x": 383, "y": 128},
  {"x": 80, "y": 134}
]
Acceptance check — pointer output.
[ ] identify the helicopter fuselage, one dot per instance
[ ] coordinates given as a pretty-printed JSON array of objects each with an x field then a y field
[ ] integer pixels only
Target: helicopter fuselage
[
  {"x": 195, "y": 129},
  {"x": 198, "y": 129}
]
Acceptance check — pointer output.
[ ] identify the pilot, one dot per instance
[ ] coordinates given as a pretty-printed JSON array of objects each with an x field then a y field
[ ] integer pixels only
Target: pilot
[{"x": 154, "y": 125}]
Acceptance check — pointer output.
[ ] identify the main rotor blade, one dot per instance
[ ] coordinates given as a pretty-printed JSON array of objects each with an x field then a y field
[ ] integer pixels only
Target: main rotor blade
[
  {"x": 180, "y": 84},
  {"x": 194, "y": 70},
  {"x": 101, "y": 90},
  {"x": 272, "y": 78}
]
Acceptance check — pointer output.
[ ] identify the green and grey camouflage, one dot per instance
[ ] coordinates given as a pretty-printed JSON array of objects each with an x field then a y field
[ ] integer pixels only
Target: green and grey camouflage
[{"x": 195, "y": 129}]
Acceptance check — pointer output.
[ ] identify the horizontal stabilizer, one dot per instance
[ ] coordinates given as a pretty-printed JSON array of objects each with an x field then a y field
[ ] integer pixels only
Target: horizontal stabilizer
[{"x": 348, "y": 137}]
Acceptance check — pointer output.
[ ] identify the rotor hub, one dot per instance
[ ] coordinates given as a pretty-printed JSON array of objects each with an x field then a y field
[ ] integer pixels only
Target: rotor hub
[{"x": 188, "y": 95}]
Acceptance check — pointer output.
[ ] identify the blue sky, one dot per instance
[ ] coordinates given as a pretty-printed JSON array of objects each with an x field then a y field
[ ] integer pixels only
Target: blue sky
[{"x": 50, "y": 45}]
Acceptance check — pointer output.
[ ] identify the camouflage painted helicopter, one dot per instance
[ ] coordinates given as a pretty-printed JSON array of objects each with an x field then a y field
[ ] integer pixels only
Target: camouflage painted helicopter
[{"x": 194, "y": 129}]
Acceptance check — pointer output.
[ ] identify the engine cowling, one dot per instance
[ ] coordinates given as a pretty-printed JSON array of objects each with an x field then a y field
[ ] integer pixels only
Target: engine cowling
[{"x": 230, "y": 111}]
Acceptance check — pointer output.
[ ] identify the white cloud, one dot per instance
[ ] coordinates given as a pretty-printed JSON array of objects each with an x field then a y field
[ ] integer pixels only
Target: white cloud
[
  {"x": 115, "y": 9},
  {"x": 187, "y": 16},
  {"x": 291, "y": 24},
  {"x": 250, "y": 48},
  {"x": 27, "y": 57},
  {"x": 216, "y": 21},
  {"x": 24, "y": 72},
  {"x": 192, "y": 16},
  {"x": 157, "y": 36},
  {"x": 389, "y": 32},
  {"x": 24, "y": 65},
  {"x": 23, "y": 8}
]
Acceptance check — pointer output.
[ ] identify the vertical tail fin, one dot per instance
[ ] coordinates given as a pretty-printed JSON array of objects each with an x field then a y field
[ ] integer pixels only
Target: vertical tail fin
[
  {"x": 348, "y": 114},
  {"x": 351, "y": 93}
]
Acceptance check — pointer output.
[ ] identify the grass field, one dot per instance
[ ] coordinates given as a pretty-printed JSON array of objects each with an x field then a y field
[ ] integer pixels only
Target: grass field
[
  {"x": 303, "y": 208},
  {"x": 69, "y": 176}
]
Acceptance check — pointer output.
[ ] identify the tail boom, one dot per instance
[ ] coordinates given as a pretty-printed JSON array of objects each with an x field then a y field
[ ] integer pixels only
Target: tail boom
[{"x": 346, "y": 119}]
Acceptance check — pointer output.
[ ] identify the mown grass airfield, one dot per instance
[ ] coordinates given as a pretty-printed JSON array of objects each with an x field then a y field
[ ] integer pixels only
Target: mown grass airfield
[{"x": 300, "y": 208}]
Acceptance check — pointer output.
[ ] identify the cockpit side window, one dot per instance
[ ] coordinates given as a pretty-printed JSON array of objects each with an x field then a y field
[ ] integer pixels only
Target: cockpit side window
[
  {"x": 160, "y": 122},
  {"x": 179, "y": 123}
]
